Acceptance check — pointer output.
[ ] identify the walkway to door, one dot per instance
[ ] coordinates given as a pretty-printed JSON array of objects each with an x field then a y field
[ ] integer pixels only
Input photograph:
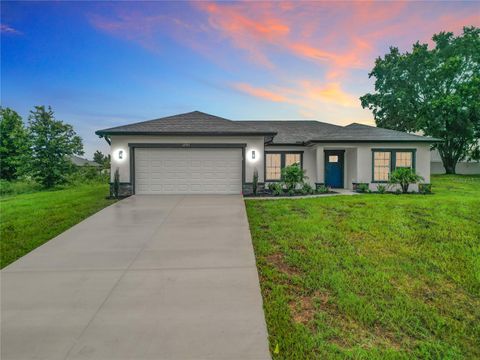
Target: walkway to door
[{"x": 151, "y": 277}]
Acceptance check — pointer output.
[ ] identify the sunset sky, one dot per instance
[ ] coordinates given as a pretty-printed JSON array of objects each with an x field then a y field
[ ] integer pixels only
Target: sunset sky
[{"x": 102, "y": 64}]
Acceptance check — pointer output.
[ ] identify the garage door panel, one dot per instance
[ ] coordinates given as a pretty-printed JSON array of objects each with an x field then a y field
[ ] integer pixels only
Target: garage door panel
[{"x": 188, "y": 171}]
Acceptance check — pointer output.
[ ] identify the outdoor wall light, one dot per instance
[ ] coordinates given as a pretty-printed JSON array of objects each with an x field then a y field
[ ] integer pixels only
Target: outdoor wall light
[
  {"x": 120, "y": 154},
  {"x": 253, "y": 154}
]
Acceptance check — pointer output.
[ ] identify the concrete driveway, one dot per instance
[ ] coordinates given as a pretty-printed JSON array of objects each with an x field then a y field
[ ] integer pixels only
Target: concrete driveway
[{"x": 151, "y": 277}]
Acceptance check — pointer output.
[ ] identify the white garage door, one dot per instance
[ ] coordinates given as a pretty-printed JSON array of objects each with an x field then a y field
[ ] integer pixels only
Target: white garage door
[{"x": 188, "y": 171}]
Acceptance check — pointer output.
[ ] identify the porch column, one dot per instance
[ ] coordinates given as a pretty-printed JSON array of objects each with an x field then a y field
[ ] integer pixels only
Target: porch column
[{"x": 320, "y": 159}]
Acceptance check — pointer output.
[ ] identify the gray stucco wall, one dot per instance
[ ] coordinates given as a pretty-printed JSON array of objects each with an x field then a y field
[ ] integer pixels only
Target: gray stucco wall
[{"x": 254, "y": 143}]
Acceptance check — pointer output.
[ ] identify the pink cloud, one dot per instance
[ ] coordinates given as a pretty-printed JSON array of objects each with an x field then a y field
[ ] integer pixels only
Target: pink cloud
[
  {"x": 6, "y": 29},
  {"x": 335, "y": 38}
]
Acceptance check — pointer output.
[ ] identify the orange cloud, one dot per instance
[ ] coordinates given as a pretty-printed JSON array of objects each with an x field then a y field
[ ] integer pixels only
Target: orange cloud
[
  {"x": 260, "y": 93},
  {"x": 303, "y": 93}
]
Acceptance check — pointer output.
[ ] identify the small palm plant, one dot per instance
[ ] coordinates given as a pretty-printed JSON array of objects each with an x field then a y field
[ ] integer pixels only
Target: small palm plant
[{"x": 404, "y": 177}]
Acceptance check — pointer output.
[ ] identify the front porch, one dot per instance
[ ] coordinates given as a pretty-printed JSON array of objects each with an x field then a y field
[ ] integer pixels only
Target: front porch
[{"x": 337, "y": 166}]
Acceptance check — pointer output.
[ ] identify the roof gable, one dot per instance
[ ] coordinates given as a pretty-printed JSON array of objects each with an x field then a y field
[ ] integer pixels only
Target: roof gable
[{"x": 195, "y": 122}]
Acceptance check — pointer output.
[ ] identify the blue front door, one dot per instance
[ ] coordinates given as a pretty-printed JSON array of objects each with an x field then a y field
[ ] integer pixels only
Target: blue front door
[{"x": 334, "y": 168}]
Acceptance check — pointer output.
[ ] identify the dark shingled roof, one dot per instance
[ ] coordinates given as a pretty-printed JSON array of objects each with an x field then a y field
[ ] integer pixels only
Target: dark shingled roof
[
  {"x": 300, "y": 132},
  {"x": 295, "y": 131},
  {"x": 192, "y": 123}
]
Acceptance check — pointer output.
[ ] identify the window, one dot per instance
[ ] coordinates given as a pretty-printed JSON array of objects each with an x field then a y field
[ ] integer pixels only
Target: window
[
  {"x": 291, "y": 159},
  {"x": 387, "y": 160},
  {"x": 403, "y": 159},
  {"x": 381, "y": 165},
  {"x": 273, "y": 166},
  {"x": 332, "y": 158},
  {"x": 275, "y": 162}
]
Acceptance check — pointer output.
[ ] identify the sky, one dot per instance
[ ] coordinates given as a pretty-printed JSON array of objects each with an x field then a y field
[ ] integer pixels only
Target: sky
[{"x": 103, "y": 64}]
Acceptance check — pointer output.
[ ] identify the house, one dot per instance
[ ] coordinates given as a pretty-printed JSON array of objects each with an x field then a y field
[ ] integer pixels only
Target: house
[
  {"x": 78, "y": 161},
  {"x": 198, "y": 153},
  {"x": 465, "y": 167}
]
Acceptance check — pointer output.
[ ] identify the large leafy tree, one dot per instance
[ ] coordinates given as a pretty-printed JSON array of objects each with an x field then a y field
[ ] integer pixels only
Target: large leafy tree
[
  {"x": 435, "y": 91},
  {"x": 51, "y": 142},
  {"x": 12, "y": 143}
]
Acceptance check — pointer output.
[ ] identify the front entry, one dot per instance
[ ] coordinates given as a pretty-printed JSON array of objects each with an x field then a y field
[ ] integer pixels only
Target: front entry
[{"x": 334, "y": 168}]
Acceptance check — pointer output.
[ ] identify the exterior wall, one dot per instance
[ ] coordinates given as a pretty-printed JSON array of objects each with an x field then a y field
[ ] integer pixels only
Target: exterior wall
[
  {"x": 255, "y": 143},
  {"x": 309, "y": 159},
  {"x": 364, "y": 160},
  {"x": 358, "y": 161},
  {"x": 463, "y": 167},
  {"x": 357, "y": 166}
]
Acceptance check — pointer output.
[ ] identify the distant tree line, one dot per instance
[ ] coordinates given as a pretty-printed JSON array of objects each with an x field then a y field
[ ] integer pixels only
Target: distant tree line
[{"x": 40, "y": 150}]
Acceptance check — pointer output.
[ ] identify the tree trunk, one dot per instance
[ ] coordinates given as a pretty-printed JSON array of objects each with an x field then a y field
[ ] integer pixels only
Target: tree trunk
[{"x": 449, "y": 165}]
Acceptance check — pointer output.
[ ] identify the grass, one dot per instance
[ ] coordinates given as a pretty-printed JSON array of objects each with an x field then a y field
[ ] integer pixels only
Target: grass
[
  {"x": 29, "y": 220},
  {"x": 372, "y": 276}
]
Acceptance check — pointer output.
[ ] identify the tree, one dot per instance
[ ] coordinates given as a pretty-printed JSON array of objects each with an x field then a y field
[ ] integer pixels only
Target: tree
[
  {"x": 435, "y": 91},
  {"x": 12, "y": 143},
  {"x": 102, "y": 159},
  {"x": 51, "y": 142}
]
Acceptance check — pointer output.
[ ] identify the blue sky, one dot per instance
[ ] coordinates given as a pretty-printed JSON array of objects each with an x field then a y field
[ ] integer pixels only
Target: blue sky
[{"x": 102, "y": 64}]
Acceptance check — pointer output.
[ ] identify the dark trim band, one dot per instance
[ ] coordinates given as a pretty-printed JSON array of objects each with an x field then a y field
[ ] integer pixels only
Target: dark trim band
[{"x": 185, "y": 133}]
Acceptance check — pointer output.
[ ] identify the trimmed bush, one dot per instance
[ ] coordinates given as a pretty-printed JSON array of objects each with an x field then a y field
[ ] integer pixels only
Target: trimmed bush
[
  {"x": 425, "y": 188},
  {"x": 275, "y": 188},
  {"x": 307, "y": 189},
  {"x": 363, "y": 188},
  {"x": 292, "y": 176}
]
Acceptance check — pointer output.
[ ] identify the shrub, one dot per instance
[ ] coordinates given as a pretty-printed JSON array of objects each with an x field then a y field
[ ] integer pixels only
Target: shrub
[
  {"x": 425, "y": 188},
  {"x": 18, "y": 187},
  {"x": 363, "y": 188},
  {"x": 404, "y": 177},
  {"x": 255, "y": 181},
  {"x": 293, "y": 176},
  {"x": 116, "y": 183},
  {"x": 307, "y": 189},
  {"x": 86, "y": 174},
  {"x": 275, "y": 188},
  {"x": 382, "y": 189},
  {"x": 322, "y": 189}
]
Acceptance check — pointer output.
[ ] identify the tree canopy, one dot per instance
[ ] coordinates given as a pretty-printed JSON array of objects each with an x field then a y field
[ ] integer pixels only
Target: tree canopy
[
  {"x": 50, "y": 143},
  {"x": 12, "y": 143},
  {"x": 434, "y": 91}
]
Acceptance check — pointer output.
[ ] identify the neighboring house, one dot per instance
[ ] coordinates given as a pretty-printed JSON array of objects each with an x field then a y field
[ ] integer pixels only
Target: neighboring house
[
  {"x": 78, "y": 161},
  {"x": 198, "y": 153},
  {"x": 463, "y": 167}
]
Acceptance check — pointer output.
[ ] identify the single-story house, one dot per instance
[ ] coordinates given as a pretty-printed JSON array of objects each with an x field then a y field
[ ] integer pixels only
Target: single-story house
[{"x": 198, "y": 153}]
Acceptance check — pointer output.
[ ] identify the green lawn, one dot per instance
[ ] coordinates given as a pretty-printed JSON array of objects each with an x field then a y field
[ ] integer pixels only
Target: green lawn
[
  {"x": 372, "y": 276},
  {"x": 29, "y": 220}
]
